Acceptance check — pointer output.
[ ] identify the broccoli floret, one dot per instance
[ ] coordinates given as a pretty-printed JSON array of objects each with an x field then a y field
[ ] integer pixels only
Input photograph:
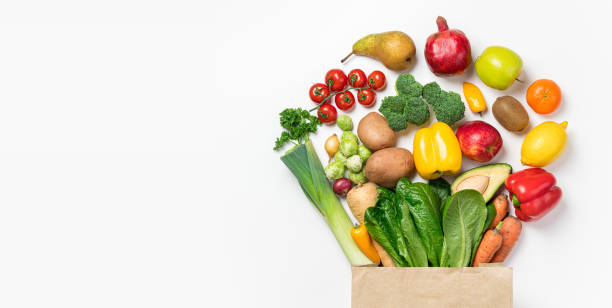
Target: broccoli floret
[
  {"x": 447, "y": 106},
  {"x": 406, "y": 85},
  {"x": 403, "y": 109}
]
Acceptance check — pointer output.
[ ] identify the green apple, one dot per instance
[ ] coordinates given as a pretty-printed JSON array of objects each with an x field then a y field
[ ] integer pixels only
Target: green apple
[{"x": 498, "y": 67}]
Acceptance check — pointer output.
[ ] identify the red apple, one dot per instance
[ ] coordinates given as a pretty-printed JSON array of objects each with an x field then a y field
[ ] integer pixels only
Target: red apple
[
  {"x": 479, "y": 140},
  {"x": 448, "y": 52}
]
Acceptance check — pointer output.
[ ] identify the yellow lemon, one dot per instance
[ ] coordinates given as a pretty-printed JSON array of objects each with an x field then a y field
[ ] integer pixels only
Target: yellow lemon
[{"x": 544, "y": 144}]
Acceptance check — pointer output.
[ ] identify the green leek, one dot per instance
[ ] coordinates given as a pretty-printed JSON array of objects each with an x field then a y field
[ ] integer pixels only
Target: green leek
[{"x": 304, "y": 163}]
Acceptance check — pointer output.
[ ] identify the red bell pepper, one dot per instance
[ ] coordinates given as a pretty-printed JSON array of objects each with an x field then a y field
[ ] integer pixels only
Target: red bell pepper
[{"x": 533, "y": 193}]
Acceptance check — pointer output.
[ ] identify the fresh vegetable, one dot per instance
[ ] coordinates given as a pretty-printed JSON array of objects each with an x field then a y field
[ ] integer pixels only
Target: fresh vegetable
[
  {"x": 447, "y": 106},
  {"x": 385, "y": 167},
  {"x": 447, "y": 52},
  {"x": 303, "y": 162},
  {"x": 442, "y": 188},
  {"x": 376, "y": 80},
  {"x": 366, "y": 97},
  {"x": 364, "y": 152},
  {"x": 354, "y": 163},
  {"x": 544, "y": 96},
  {"x": 401, "y": 110},
  {"x": 336, "y": 80},
  {"x": 334, "y": 170},
  {"x": 345, "y": 122},
  {"x": 332, "y": 144},
  {"x": 348, "y": 135},
  {"x": 474, "y": 98},
  {"x": 489, "y": 245},
  {"x": 374, "y": 132},
  {"x": 491, "y": 213},
  {"x": 405, "y": 84},
  {"x": 394, "y": 49},
  {"x": 533, "y": 192},
  {"x": 362, "y": 239},
  {"x": 318, "y": 92},
  {"x": 339, "y": 157},
  {"x": 357, "y": 177},
  {"x": 544, "y": 144},
  {"x": 298, "y": 125},
  {"x": 463, "y": 221},
  {"x": 479, "y": 141},
  {"x": 485, "y": 179},
  {"x": 385, "y": 229},
  {"x": 510, "y": 231},
  {"x": 501, "y": 210},
  {"x": 361, "y": 197},
  {"x": 342, "y": 186},
  {"x": 436, "y": 151},
  {"x": 357, "y": 78},
  {"x": 417, "y": 255},
  {"x": 348, "y": 147},
  {"x": 344, "y": 100},
  {"x": 510, "y": 113},
  {"x": 327, "y": 113},
  {"x": 498, "y": 67}
]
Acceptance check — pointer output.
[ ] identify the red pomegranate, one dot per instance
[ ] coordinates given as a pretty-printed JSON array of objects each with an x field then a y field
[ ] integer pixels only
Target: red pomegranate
[{"x": 447, "y": 51}]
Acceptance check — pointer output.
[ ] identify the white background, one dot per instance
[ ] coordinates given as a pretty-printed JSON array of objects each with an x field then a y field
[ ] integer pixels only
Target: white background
[{"x": 136, "y": 162}]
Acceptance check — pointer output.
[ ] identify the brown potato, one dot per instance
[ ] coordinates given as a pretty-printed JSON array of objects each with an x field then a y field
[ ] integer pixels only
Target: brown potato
[
  {"x": 510, "y": 113},
  {"x": 387, "y": 166},
  {"x": 375, "y": 133}
]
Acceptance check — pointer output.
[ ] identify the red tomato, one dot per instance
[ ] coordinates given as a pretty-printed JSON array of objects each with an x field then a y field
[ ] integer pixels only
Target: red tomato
[
  {"x": 366, "y": 97},
  {"x": 357, "y": 78},
  {"x": 318, "y": 92},
  {"x": 376, "y": 80},
  {"x": 345, "y": 100},
  {"x": 335, "y": 80},
  {"x": 327, "y": 113}
]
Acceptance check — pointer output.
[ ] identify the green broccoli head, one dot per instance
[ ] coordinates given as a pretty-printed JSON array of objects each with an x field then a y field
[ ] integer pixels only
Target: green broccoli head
[
  {"x": 403, "y": 109},
  {"x": 406, "y": 85},
  {"x": 417, "y": 110},
  {"x": 447, "y": 106}
]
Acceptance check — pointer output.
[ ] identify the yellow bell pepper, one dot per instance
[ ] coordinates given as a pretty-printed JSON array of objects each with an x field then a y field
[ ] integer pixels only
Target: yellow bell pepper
[{"x": 436, "y": 151}]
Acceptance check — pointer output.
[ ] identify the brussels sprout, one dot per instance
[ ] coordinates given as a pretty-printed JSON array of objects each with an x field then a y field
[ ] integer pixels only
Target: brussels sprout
[
  {"x": 339, "y": 157},
  {"x": 349, "y": 147},
  {"x": 354, "y": 163},
  {"x": 345, "y": 122},
  {"x": 357, "y": 177},
  {"x": 349, "y": 136},
  {"x": 364, "y": 152},
  {"x": 334, "y": 170}
]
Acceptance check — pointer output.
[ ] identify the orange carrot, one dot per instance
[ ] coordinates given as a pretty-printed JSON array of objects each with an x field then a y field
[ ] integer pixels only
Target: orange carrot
[
  {"x": 501, "y": 206},
  {"x": 490, "y": 244},
  {"x": 510, "y": 231}
]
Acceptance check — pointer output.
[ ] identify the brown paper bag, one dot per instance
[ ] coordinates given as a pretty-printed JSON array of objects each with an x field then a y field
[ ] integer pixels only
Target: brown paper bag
[{"x": 436, "y": 287}]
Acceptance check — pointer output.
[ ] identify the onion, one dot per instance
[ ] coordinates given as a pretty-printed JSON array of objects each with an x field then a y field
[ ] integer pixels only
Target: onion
[
  {"x": 332, "y": 144},
  {"x": 342, "y": 186}
]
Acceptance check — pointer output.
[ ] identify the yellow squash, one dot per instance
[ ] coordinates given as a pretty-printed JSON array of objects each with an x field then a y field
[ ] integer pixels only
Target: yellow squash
[
  {"x": 544, "y": 144},
  {"x": 474, "y": 97},
  {"x": 436, "y": 151}
]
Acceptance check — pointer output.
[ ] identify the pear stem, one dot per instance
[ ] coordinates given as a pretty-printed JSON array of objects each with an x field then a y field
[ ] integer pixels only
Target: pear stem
[{"x": 348, "y": 56}]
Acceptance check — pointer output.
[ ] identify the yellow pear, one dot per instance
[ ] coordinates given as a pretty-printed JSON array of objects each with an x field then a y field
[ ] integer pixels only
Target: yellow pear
[{"x": 395, "y": 49}]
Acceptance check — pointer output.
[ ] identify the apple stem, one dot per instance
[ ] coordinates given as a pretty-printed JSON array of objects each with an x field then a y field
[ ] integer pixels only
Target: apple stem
[
  {"x": 441, "y": 22},
  {"x": 345, "y": 58},
  {"x": 518, "y": 80}
]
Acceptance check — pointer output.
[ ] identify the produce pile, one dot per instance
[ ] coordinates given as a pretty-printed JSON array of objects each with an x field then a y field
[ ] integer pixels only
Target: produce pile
[{"x": 436, "y": 223}]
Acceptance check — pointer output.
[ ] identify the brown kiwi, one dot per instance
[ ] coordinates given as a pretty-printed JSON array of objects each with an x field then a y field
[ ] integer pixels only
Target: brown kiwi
[{"x": 510, "y": 113}]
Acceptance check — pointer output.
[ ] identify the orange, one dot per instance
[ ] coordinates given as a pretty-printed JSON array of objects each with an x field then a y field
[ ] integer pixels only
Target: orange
[{"x": 544, "y": 96}]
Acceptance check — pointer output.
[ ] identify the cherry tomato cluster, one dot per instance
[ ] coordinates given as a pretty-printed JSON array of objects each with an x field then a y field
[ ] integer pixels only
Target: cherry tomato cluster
[{"x": 335, "y": 86}]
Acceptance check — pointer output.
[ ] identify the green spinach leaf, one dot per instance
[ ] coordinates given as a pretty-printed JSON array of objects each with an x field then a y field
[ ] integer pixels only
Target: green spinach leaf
[
  {"x": 380, "y": 230},
  {"x": 442, "y": 188}
]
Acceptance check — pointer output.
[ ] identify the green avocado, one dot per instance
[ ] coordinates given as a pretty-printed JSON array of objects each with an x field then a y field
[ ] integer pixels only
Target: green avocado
[{"x": 485, "y": 179}]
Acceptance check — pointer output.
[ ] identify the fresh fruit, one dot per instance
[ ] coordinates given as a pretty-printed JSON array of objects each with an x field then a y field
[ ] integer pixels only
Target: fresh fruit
[
  {"x": 344, "y": 100},
  {"x": 318, "y": 92},
  {"x": 544, "y": 96},
  {"x": 544, "y": 144},
  {"x": 447, "y": 52},
  {"x": 510, "y": 113},
  {"x": 395, "y": 49},
  {"x": 357, "y": 78},
  {"x": 327, "y": 113},
  {"x": 366, "y": 97},
  {"x": 376, "y": 80},
  {"x": 336, "y": 80},
  {"x": 498, "y": 67},
  {"x": 485, "y": 179},
  {"x": 479, "y": 141},
  {"x": 474, "y": 97},
  {"x": 342, "y": 186}
]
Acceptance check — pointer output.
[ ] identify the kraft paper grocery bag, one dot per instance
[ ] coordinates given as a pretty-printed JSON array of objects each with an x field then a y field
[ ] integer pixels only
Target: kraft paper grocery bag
[{"x": 487, "y": 286}]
